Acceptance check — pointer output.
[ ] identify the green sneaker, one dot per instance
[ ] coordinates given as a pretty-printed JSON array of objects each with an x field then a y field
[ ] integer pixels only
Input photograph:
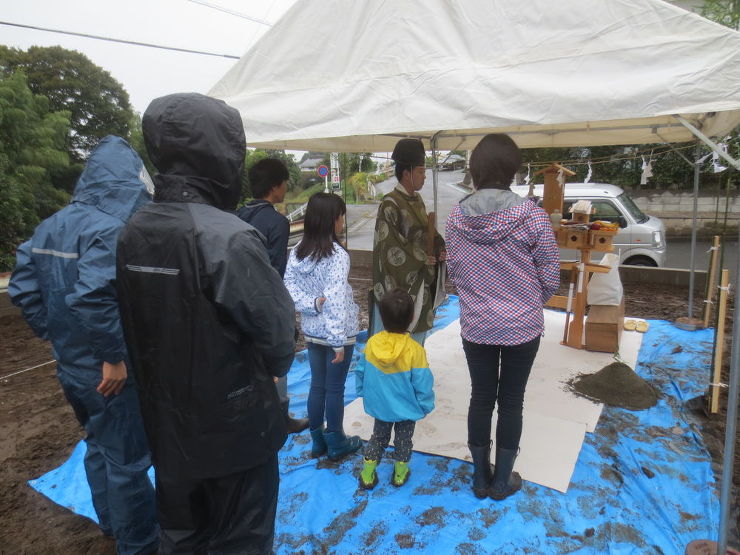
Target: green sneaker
[
  {"x": 401, "y": 473},
  {"x": 368, "y": 476}
]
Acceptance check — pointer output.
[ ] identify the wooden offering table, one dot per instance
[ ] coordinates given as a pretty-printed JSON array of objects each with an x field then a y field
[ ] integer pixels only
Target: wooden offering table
[{"x": 579, "y": 236}]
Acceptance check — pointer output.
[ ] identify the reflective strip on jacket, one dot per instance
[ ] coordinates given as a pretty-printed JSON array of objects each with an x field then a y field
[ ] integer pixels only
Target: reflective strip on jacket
[{"x": 64, "y": 275}]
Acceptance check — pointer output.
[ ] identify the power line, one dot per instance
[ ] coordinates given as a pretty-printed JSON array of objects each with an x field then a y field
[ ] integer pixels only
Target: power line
[
  {"x": 231, "y": 12},
  {"x": 122, "y": 41}
]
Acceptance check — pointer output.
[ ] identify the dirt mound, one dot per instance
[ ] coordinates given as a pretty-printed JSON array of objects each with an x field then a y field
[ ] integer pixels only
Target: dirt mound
[{"x": 617, "y": 385}]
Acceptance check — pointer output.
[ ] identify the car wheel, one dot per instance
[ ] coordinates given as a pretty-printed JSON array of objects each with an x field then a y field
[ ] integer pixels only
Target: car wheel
[{"x": 640, "y": 261}]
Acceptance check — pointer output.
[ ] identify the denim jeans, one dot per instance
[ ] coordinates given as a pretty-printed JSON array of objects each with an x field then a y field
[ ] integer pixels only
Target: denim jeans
[
  {"x": 498, "y": 372},
  {"x": 326, "y": 395}
]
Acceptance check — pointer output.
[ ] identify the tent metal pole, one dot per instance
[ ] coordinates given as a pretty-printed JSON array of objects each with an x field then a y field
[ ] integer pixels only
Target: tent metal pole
[
  {"x": 435, "y": 177},
  {"x": 692, "y": 258},
  {"x": 707, "y": 141},
  {"x": 731, "y": 425}
]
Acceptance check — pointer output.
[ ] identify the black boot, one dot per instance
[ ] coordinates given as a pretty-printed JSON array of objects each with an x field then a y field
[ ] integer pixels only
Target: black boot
[
  {"x": 294, "y": 425},
  {"x": 482, "y": 469},
  {"x": 505, "y": 481}
]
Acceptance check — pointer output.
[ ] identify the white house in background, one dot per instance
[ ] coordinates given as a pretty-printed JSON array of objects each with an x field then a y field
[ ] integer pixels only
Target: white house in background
[
  {"x": 310, "y": 164},
  {"x": 451, "y": 162}
]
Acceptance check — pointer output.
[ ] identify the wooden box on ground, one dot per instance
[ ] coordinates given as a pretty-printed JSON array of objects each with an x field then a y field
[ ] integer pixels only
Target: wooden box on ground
[{"x": 604, "y": 328}]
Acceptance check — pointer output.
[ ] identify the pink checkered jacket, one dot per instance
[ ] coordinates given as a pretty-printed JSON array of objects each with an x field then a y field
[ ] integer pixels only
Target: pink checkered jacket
[{"x": 504, "y": 262}]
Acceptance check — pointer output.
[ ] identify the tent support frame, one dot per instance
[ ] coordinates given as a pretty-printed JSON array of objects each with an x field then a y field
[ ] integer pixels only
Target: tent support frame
[
  {"x": 734, "y": 393},
  {"x": 709, "y": 142},
  {"x": 730, "y": 429},
  {"x": 692, "y": 257},
  {"x": 435, "y": 176}
]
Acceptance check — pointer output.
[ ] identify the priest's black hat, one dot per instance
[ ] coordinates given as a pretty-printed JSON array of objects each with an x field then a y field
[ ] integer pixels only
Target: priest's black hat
[{"x": 409, "y": 152}]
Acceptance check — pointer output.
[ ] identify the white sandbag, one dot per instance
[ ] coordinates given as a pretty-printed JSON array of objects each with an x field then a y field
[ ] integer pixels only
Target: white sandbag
[{"x": 606, "y": 289}]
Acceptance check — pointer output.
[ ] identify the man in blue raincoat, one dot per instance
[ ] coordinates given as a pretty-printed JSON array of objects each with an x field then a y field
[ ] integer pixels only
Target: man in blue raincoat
[{"x": 64, "y": 283}]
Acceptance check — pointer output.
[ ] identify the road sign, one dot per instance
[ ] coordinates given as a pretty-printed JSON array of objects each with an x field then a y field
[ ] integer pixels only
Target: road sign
[{"x": 322, "y": 170}]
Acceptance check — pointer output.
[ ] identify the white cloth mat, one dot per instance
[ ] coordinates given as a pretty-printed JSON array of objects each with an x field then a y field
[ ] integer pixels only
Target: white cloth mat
[{"x": 555, "y": 420}]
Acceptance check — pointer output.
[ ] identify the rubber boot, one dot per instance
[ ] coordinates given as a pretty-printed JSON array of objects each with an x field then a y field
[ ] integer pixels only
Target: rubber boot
[
  {"x": 319, "y": 447},
  {"x": 340, "y": 445},
  {"x": 506, "y": 482},
  {"x": 482, "y": 469},
  {"x": 294, "y": 425},
  {"x": 368, "y": 476},
  {"x": 401, "y": 473}
]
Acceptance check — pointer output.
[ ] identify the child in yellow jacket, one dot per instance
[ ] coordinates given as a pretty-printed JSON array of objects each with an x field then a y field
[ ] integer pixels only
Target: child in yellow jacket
[{"x": 397, "y": 388}]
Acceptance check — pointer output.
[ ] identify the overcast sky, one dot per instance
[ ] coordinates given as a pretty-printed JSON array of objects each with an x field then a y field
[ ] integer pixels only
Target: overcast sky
[{"x": 146, "y": 73}]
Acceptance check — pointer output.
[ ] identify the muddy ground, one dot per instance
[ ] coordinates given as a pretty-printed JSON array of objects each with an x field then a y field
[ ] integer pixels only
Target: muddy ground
[{"x": 38, "y": 429}]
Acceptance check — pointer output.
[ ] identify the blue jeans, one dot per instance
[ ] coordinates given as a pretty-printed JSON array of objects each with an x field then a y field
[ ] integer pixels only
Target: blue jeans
[
  {"x": 116, "y": 461},
  {"x": 326, "y": 396},
  {"x": 498, "y": 373}
]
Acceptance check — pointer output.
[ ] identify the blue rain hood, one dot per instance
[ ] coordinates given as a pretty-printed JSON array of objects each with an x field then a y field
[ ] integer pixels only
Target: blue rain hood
[
  {"x": 65, "y": 274},
  {"x": 113, "y": 179}
]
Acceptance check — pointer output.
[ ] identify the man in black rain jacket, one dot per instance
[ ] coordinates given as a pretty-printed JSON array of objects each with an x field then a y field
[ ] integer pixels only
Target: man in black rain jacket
[{"x": 208, "y": 323}]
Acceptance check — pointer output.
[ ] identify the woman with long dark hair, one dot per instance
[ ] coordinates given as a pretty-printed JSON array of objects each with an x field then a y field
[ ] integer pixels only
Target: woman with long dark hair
[
  {"x": 503, "y": 259},
  {"x": 316, "y": 277}
]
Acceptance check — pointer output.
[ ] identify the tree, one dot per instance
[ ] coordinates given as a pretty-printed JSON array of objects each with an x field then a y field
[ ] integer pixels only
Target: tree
[
  {"x": 97, "y": 104},
  {"x": 724, "y": 12},
  {"x": 351, "y": 163},
  {"x": 254, "y": 156},
  {"x": 31, "y": 148},
  {"x": 136, "y": 141}
]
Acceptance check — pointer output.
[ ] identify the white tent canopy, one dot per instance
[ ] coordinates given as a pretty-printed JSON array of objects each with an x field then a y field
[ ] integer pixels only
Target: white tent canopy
[{"x": 349, "y": 75}]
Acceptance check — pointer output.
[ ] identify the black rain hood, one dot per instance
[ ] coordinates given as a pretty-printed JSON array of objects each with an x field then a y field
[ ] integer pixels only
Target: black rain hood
[{"x": 197, "y": 143}]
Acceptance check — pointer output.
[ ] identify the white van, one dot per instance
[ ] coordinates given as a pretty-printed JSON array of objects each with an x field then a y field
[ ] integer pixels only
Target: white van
[{"x": 641, "y": 238}]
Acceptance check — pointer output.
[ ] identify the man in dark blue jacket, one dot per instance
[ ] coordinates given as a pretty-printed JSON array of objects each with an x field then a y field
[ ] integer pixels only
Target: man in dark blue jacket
[
  {"x": 268, "y": 180},
  {"x": 64, "y": 284}
]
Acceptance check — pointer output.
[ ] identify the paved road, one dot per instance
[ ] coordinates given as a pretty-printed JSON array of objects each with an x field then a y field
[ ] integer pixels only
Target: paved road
[{"x": 678, "y": 255}]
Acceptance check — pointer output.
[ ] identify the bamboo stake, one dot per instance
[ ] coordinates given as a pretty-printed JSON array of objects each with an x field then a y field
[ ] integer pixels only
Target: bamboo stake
[
  {"x": 711, "y": 279},
  {"x": 719, "y": 343}
]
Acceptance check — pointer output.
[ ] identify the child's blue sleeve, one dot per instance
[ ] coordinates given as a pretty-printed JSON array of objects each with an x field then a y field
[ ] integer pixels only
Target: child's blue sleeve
[{"x": 423, "y": 382}]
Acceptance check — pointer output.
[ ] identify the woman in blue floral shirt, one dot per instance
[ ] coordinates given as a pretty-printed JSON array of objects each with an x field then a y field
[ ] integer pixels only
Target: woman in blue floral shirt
[{"x": 316, "y": 277}]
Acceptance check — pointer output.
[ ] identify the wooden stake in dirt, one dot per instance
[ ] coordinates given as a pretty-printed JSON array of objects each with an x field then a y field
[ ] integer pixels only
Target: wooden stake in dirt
[
  {"x": 711, "y": 278},
  {"x": 714, "y": 389}
]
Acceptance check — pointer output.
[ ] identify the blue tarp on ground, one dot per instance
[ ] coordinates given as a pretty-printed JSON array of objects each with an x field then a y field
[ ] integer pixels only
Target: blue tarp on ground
[{"x": 643, "y": 482}]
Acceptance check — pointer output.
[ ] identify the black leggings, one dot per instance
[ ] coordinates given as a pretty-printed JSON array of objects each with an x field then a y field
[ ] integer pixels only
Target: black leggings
[{"x": 498, "y": 372}]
